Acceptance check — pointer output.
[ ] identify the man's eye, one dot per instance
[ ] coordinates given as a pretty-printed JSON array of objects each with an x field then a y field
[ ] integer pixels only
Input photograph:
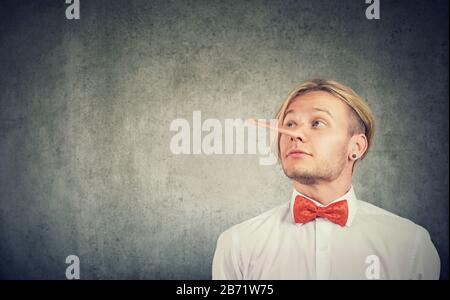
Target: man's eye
[{"x": 316, "y": 122}]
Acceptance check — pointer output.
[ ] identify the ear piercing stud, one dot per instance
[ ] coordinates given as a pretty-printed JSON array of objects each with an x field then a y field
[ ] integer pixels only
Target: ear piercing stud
[{"x": 354, "y": 156}]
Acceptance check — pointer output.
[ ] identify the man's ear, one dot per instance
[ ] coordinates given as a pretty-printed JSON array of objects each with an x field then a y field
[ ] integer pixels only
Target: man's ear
[{"x": 358, "y": 146}]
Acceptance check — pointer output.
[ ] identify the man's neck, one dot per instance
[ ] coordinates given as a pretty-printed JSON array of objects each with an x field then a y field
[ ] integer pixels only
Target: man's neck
[{"x": 324, "y": 192}]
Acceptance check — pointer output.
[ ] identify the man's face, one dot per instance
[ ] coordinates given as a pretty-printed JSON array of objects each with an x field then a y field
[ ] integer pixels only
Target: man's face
[{"x": 324, "y": 137}]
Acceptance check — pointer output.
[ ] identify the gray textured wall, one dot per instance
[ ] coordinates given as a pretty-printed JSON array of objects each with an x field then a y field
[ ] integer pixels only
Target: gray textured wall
[{"x": 85, "y": 166}]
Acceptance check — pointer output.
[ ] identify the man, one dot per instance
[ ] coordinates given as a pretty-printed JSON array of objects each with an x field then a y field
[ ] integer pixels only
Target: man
[{"x": 325, "y": 231}]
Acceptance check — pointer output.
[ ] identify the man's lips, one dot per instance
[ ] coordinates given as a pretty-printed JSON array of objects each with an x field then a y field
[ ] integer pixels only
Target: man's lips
[{"x": 297, "y": 153}]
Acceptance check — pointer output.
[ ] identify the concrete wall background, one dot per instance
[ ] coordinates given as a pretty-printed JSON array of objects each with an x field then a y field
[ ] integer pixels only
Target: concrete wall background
[{"x": 85, "y": 166}]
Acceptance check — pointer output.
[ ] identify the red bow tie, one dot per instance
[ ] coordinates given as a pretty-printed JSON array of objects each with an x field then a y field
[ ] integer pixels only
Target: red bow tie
[{"x": 305, "y": 210}]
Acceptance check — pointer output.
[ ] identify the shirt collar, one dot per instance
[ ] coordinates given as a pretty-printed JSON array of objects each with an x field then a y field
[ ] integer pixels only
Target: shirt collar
[{"x": 350, "y": 196}]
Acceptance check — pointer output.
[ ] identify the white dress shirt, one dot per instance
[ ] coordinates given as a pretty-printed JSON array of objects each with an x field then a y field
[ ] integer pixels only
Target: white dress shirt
[{"x": 373, "y": 244}]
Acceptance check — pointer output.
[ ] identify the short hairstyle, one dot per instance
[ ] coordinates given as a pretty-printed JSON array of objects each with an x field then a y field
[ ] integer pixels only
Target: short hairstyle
[{"x": 363, "y": 120}]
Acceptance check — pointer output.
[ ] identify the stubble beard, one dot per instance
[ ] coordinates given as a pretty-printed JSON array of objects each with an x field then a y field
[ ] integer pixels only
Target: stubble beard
[{"x": 321, "y": 171}]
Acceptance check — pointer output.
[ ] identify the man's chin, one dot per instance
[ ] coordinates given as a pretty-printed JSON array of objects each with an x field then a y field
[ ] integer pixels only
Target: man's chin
[
  {"x": 306, "y": 178},
  {"x": 294, "y": 173}
]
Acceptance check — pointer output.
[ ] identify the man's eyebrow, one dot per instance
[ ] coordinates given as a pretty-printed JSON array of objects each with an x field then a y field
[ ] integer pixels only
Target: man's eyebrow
[
  {"x": 314, "y": 108},
  {"x": 324, "y": 110},
  {"x": 288, "y": 112}
]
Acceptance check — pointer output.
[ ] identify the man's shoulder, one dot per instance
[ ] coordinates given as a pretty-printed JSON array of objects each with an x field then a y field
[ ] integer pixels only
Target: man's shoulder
[
  {"x": 261, "y": 223},
  {"x": 386, "y": 221}
]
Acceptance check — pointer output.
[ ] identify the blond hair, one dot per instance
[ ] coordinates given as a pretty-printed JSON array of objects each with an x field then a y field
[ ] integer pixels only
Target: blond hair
[{"x": 363, "y": 120}]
